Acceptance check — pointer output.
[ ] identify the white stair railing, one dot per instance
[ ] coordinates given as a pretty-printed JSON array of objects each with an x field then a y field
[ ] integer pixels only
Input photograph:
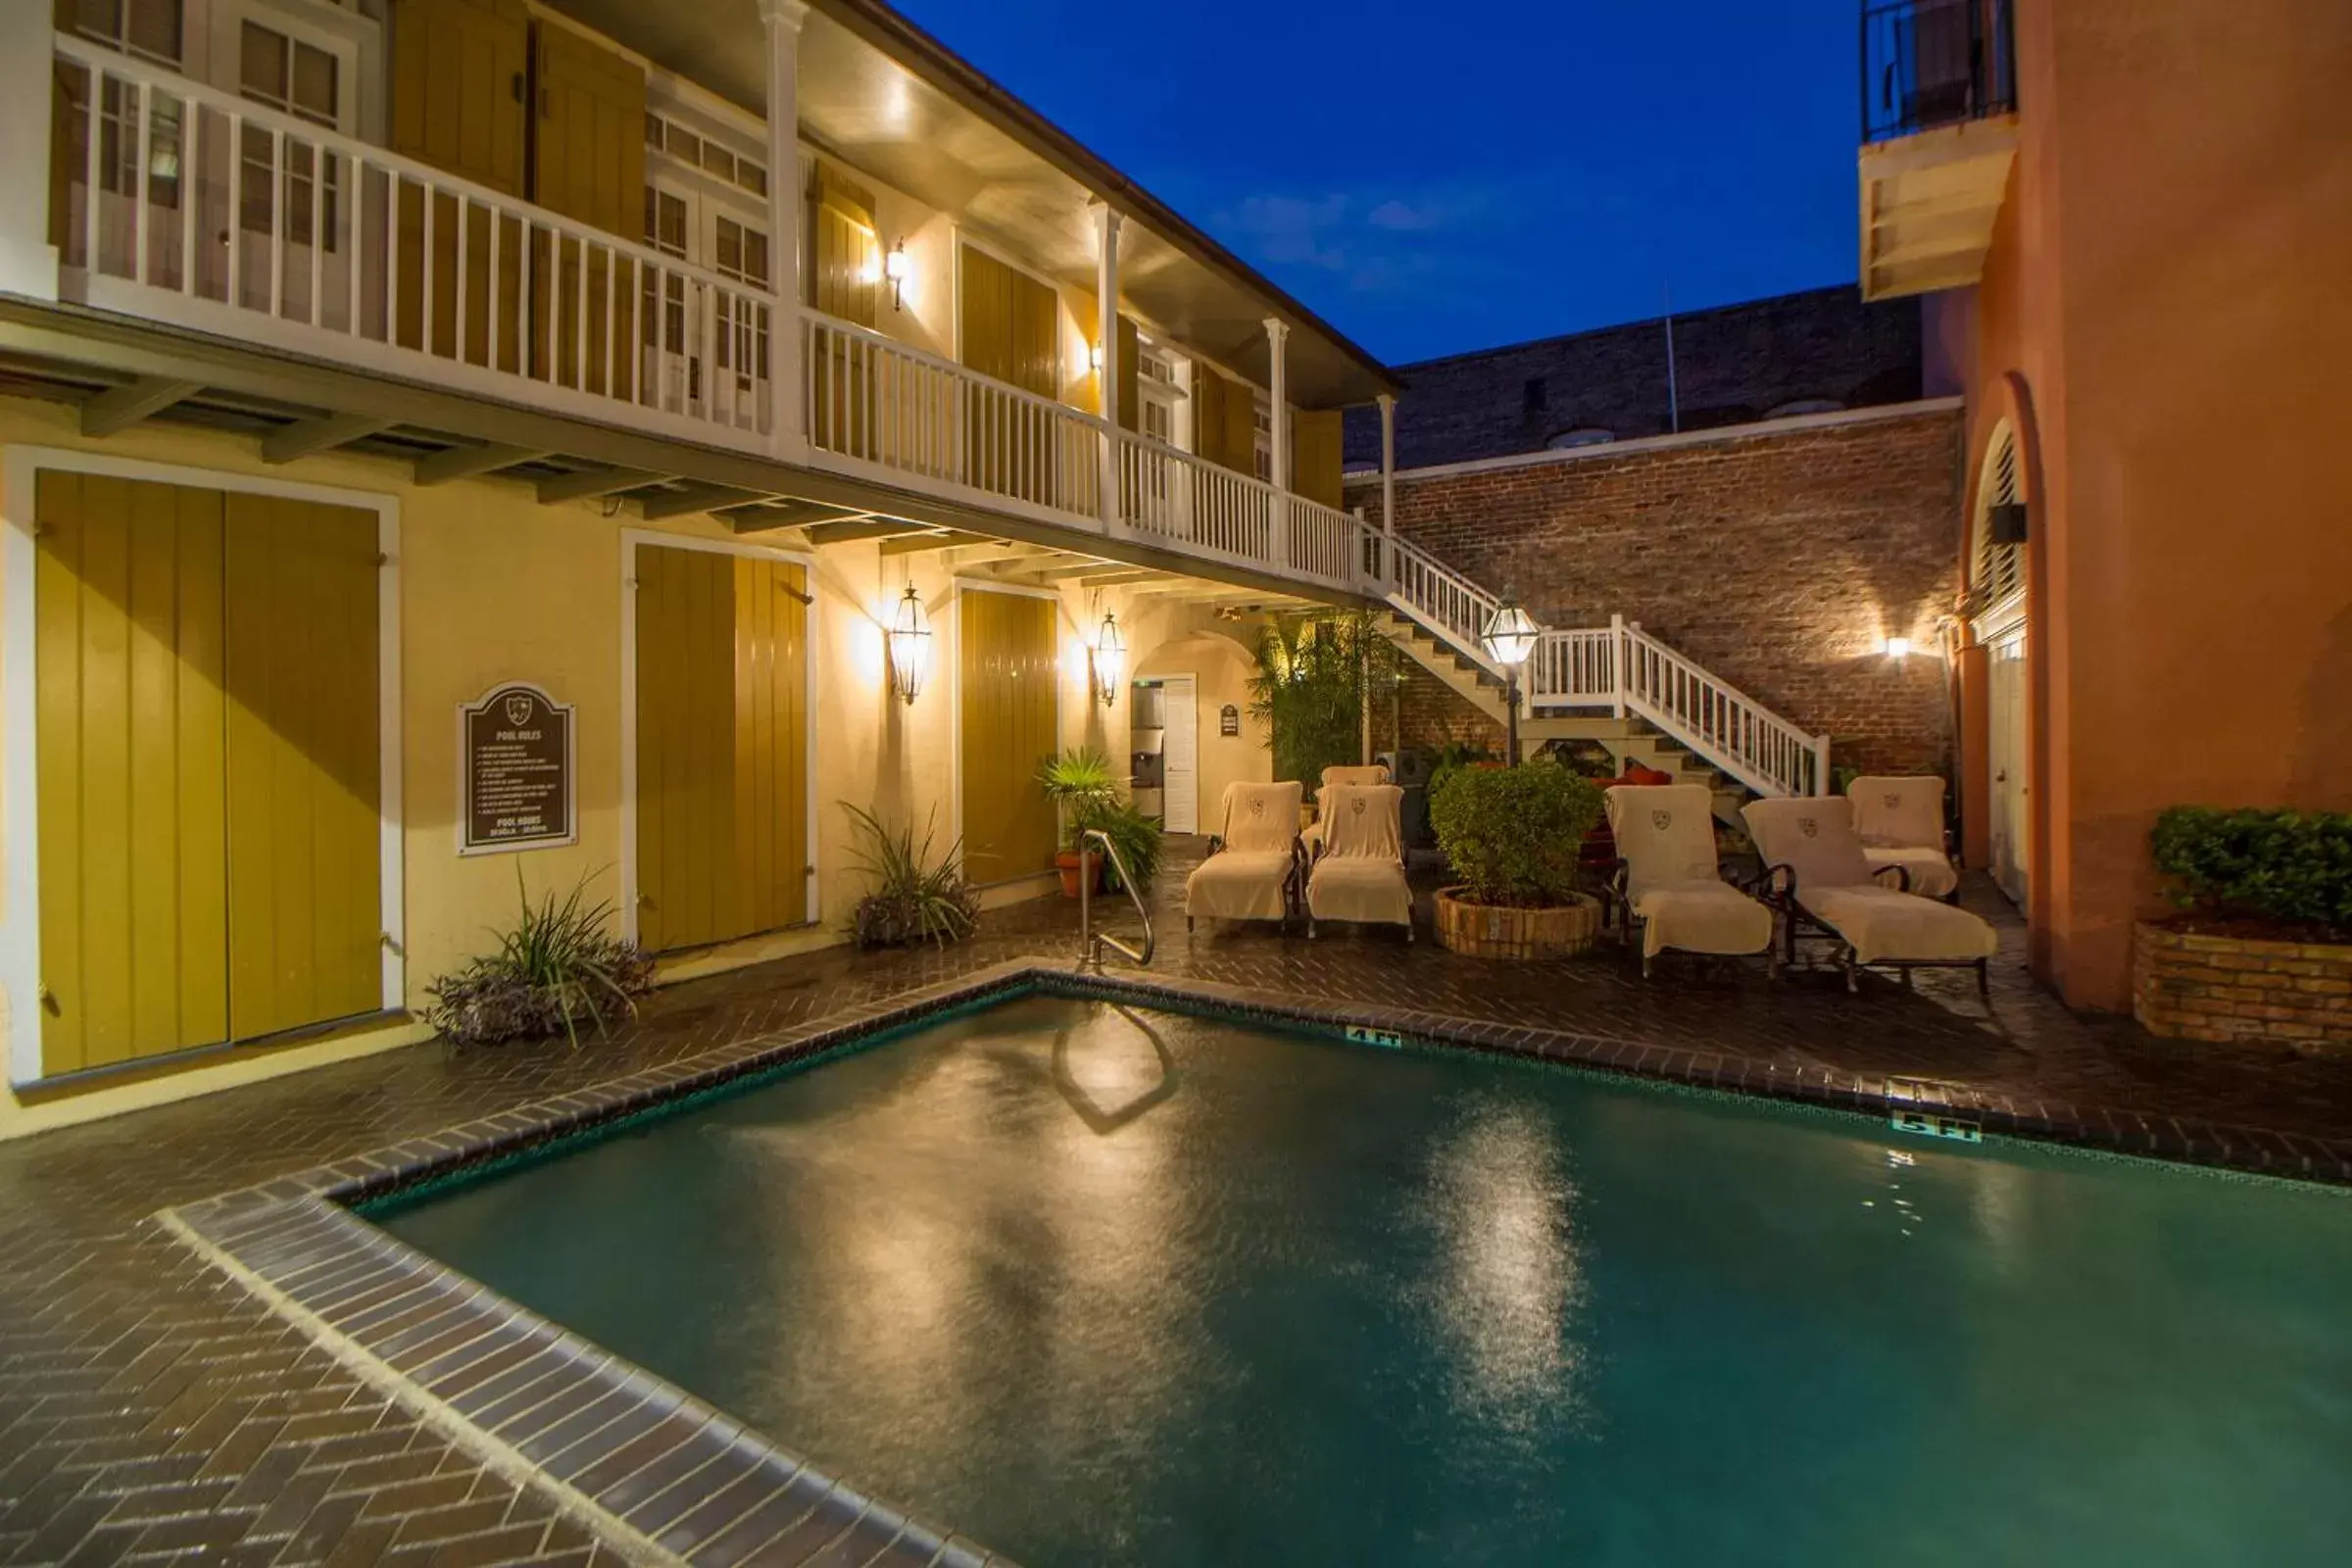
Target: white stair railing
[
  {"x": 1619, "y": 667},
  {"x": 1720, "y": 722}
]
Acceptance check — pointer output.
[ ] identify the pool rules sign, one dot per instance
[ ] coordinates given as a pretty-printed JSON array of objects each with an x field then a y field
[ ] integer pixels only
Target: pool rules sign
[{"x": 515, "y": 753}]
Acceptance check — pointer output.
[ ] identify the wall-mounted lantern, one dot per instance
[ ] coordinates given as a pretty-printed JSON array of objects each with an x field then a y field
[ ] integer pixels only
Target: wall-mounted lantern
[
  {"x": 896, "y": 268},
  {"x": 1110, "y": 659},
  {"x": 909, "y": 647}
]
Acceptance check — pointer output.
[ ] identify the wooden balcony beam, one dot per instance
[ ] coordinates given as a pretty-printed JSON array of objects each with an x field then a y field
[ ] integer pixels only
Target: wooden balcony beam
[
  {"x": 113, "y": 411},
  {"x": 590, "y": 484},
  {"x": 308, "y": 437},
  {"x": 466, "y": 463}
]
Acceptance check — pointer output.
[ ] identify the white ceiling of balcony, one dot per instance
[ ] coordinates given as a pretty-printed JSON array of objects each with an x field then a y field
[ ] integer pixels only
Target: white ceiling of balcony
[{"x": 955, "y": 141}]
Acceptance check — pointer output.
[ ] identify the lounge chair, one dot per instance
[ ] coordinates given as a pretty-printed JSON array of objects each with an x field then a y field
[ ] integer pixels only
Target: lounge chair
[
  {"x": 1312, "y": 834},
  {"x": 1901, "y": 823},
  {"x": 1358, "y": 870},
  {"x": 1252, "y": 872},
  {"x": 1825, "y": 888},
  {"x": 1666, "y": 885}
]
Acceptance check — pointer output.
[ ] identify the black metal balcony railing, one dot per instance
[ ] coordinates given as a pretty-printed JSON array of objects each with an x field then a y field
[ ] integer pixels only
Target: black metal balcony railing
[{"x": 1929, "y": 62}]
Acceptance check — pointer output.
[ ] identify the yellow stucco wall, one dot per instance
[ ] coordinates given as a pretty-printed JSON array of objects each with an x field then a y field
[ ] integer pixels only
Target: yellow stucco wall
[{"x": 494, "y": 587}]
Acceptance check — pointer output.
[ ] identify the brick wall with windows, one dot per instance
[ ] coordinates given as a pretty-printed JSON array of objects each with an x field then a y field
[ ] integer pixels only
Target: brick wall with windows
[{"x": 1780, "y": 560}]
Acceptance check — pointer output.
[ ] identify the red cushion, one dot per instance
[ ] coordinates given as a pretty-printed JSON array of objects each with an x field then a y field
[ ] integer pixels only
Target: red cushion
[{"x": 1636, "y": 773}]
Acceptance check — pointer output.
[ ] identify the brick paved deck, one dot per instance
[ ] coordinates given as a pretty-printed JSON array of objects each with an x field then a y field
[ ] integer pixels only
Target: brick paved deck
[{"x": 150, "y": 1407}]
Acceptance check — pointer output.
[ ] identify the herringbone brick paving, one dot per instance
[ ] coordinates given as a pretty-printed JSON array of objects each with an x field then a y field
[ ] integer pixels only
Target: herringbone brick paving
[{"x": 150, "y": 1410}]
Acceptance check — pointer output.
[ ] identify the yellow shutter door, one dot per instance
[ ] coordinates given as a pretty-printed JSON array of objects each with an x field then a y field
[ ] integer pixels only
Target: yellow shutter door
[
  {"x": 1315, "y": 456},
  {"x": 1209, "y": 413},
  {"x": 844, "y": 267},
  {"x": 127, "y": 681},
  {"x": 1130, "y": 360},
  {"x": 457, "y": 103},
  {"x": 1006, "y": 701},
  {"x": 304, "y": 758},
  {"x": 1240, "y": 430},
  {"x": 722, "y": 796},
  {"x": 588, "y": 163}
]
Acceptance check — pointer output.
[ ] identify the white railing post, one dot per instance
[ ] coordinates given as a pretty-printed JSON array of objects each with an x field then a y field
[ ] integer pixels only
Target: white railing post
[
  {"x": 1278, "y": 420},
  {"x": 27, "y": 67},
  {"x": 1821, "y": 764},
  {"x": 1619, "y": 650},
  {"x": 1106, "y": 336},
  {"x": 788, "y": 436},
  {"x": 1387, "y": 461}
]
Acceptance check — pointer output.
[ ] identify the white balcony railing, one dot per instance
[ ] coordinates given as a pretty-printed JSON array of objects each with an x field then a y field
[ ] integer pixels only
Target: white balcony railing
[{"x": 194, "y": 206}]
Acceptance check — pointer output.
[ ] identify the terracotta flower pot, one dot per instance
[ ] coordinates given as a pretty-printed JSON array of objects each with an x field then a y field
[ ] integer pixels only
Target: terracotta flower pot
[
  {"x": 1506, "y": 931},
  {"x": 1068, "y": 862}
]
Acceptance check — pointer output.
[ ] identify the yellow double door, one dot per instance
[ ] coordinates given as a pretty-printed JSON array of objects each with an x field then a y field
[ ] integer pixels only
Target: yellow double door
[
  {"x": 208, "y": 731},
  {"x": 723, "y": 744},
  {"x": 1007, "y": 722}
]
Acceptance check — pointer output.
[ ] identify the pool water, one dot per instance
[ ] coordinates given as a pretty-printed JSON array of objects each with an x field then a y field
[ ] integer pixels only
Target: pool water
[{"x": 1107, "y": 1287}]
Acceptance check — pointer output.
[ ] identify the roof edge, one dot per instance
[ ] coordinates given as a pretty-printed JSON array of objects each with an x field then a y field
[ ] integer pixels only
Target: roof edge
[{"x": 897, "y": 35}]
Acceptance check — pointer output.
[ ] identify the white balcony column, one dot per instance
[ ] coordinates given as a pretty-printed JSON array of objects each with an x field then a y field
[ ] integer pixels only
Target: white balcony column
[
  {"x": 1278, "y": 395},
  {"x": 28, "y": 62},
  {"x": 789, "y": 438},
  {"x": 1388, "y": 483},
  {"x": 1278, "y": 417},
  {"x": 1107, "y": 338}
]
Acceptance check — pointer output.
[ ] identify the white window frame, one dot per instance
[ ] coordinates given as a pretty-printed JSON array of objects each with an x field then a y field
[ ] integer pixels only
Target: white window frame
[
  {"x": 354, "y": 39},
  {"x": 630, "y": 540},
  {"x": 20, "y": 771}
]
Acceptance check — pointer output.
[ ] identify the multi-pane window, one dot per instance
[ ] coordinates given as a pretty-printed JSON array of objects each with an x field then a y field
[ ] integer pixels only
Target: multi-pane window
[
  {"x": 665, "y": 135},
  {"x": 305, "y": 81},
  {"x": 1262, "y": 423},
  {"x": 150, "y": 29},
  {"x": 741, "y": 254},
  {"x": 664, "y": 222}
]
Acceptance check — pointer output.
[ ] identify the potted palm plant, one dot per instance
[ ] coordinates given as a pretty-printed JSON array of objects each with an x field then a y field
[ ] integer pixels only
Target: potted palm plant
[{"x": 1079, "y": 783}]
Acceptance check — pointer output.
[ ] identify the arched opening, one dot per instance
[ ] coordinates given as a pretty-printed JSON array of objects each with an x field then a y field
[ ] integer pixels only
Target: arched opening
[{"x": 1995, "y": 605}]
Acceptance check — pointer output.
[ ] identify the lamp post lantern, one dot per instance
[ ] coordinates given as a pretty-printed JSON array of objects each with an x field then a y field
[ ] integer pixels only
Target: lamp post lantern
[{"x": 1510, "y": 636}]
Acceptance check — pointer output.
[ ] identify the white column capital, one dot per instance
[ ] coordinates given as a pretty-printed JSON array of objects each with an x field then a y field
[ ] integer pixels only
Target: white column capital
[
  {"x": 1277, "y": 330},
  {"x": 784, "y": 12},
  {"x": 1388, "y": 404},
  {"x": 1106, "y": 216}
]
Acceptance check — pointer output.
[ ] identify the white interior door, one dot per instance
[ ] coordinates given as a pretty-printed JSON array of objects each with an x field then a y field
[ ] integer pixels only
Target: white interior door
[
  {"x": 1180, "y": 711},
  {"x": 2006, "y": 723}
]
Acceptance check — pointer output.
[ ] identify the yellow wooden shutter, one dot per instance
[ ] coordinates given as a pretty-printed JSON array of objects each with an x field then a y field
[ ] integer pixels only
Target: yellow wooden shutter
[
  {"x": 1008, "y": 718},
  {"x": 984, "y": 312},
  {"x": 303, "y": 763},
  {"x": 588, "y": 163},
  {"x": 1240, "y": 430},
  {"x": 1315, "y": 464},
  {"x": 129, "y": 715},
  {"x": 845, "y": 260},
  {"x": 1209, "y": 413},
  {"x": 1129, "y": 369},
  {"x": 457, "y": 103},
  {"x": 721, "y": 742}
]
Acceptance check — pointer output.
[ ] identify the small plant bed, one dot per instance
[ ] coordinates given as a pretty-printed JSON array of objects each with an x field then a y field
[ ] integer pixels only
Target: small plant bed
[
  {"x": 2261, "y": 949},
  {"x": 1513, "y": 836},
  {"x": 914, "y": 898},
  {"x": 558, "y": 968}
]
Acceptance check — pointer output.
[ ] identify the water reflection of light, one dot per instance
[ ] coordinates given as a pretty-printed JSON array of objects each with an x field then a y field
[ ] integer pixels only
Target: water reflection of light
[{"x": 1504, "y": 1208}]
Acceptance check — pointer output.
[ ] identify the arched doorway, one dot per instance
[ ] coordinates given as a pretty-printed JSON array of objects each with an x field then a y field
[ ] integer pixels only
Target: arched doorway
[{"x": 1996, "y": 613}]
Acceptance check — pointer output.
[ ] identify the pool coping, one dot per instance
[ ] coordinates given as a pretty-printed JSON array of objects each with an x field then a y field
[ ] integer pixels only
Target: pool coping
[{"x": 668, "y": 1478}]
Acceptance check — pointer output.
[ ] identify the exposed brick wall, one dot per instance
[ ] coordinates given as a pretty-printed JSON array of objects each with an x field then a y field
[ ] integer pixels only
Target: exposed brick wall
[
  {"x": 1431, "y": 714},
  {"x": 1779, "y": 561},
  {"x": 1731, "y": 365}
]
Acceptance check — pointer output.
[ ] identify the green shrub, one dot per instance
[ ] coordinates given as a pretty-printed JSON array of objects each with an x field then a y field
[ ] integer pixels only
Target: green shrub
[
  {"x": 1513, "y": 833},
  {"x": 913, "y": 900},
  {"x": 1079, "y": 783},
  {"x": 2252, "y": 863},
  {"x": 1312, "y": 674},
  {"x": 558, "y": 965},
  {"x": 1137, "y": 836}
]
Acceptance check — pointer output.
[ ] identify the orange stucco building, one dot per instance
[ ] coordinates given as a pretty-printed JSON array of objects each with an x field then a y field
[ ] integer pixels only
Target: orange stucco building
[{"x": 2140, "y": 223}]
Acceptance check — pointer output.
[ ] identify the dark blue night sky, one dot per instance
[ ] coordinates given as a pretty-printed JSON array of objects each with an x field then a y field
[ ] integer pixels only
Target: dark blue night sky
[{"x": 1437, "y": 175}]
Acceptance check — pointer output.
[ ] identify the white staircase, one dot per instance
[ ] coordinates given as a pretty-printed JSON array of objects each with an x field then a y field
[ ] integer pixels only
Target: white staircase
[{"x": 1615, "y": 684}]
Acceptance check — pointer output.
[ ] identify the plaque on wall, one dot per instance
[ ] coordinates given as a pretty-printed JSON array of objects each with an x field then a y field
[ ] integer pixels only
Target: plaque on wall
[
  {"x": 514, "y": 761},
  {"x": 1229, "y": 720}
]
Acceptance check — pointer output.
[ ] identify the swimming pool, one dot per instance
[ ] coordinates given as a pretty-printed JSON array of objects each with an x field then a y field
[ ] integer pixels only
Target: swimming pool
[{"x": 1102, "y": 1286}]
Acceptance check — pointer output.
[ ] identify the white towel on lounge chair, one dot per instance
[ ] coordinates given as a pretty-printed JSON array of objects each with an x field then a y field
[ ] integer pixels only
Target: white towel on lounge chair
[
  {"x": 1373, "y": 773},
  {"x": 1360, "y": 873},
  {"x": 1666, "y": 836},
  {"x": 1900, "y": 820},
  {"x": 1815, "y": 838},
  {"x": 1248, "y": 879}
]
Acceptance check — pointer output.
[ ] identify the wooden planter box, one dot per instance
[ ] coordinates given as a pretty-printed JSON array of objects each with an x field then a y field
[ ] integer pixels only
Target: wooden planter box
[
  {"x": 2232, "y": 989},
  {"x": 1494, "y": 931}
]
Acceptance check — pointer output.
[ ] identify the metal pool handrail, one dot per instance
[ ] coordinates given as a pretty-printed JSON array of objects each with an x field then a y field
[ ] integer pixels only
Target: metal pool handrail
[{"x": 1091, "y": 942}]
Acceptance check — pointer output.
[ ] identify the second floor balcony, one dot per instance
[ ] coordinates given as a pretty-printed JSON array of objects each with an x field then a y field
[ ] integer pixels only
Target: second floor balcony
[
  {"x": 1939, "y": 135},
  {"x": 268, "y": 219}
]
